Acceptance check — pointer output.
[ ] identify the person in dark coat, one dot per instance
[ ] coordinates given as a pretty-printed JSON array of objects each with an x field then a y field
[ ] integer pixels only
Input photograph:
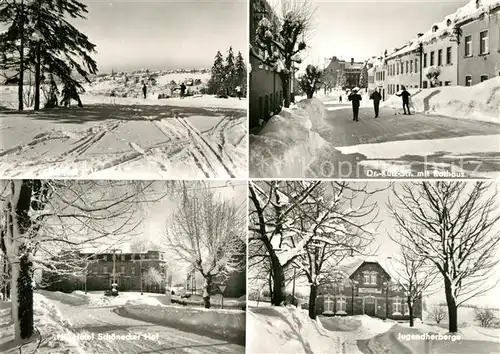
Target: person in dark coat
[
  {"x": 183, "y": 90},
  {"x": 144, "y": 90},
  {"x": 376, "y": 97},
  {"x": 406, "y": 99},
  {"x": 355, "y": 98}
]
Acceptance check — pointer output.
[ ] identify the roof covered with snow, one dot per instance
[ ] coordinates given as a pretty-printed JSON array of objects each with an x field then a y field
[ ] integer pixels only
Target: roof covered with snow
[
  {"x": 350, "y": 268},
  {"x": 471, "y": 11}
]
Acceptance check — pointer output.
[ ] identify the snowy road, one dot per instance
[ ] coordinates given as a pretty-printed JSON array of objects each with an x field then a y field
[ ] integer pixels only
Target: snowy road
[
  {"x": 105, "y": 324},
  {"x": 400, "y": 146},
  {"x": 124, "y": 141}
]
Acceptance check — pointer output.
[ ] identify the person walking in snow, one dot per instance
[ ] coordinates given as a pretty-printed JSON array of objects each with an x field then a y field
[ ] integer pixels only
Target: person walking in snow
[
  {"x": 144, "y": 90},
  {"x": 355, "y": 98},
  {"x": 340, "y": 98},
  {"x": 376, "y": 97},
  {"x": 406, "y": 99},
  {"x": 183, "y": 90},
  {"x": 238, "y": 92}
]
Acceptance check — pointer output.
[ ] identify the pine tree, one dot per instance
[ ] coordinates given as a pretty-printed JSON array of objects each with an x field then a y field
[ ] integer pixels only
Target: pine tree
[
  {"x": 241, "y": 72},
  {"x": 54, "y": 46},
  {"x": 363, "y": 78},
  {"x": 216, "y": 81},
  {"x": 341, "y": 80},
  {"x": 230, "y": 72}
]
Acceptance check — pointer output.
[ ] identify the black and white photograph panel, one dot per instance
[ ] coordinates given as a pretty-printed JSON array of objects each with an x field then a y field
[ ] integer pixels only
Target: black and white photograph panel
[
  {"x": 106, "y": 266},
  {"x": 375, "y": 267},
  {"x": 123, "y": 89},
  {"x": 374, "y": 89}
]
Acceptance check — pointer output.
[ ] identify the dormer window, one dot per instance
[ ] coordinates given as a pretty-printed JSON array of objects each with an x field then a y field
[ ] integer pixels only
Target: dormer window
[{"x": 434, "y": 28}]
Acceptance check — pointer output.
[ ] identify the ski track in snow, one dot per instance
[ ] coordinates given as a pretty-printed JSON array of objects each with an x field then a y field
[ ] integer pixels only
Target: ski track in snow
[{"x": 207, "y": 153}]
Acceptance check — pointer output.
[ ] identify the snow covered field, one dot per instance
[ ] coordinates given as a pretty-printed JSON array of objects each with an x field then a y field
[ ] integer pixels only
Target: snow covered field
[{"x": 126, "y": 138}]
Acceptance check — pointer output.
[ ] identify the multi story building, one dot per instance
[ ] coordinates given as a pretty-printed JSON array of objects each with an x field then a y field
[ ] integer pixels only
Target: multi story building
[
  {"x": 403, "y": 68},
  {"x": 351, "y": 70},
  {"x": 130, "y": 270},
  {"x": 266, "y": 89},
  {"x": 463, "y": 49},
  {"x": 365, "y": 287},
  {"x": 479, "y": 52}
]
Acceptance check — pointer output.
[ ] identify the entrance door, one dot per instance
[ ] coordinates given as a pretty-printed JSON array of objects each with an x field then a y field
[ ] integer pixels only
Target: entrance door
[{"x": 370, "y": 306}]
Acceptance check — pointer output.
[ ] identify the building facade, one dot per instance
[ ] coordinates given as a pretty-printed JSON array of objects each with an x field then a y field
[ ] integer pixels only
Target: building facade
[
  {"x": 351, "y": 70},
  {"x": 403, "y": 69},
  {"x": 441, "y": 53},
  {"x": 365, "y": 289},
  {"x": 266, "y": 89},
  {"x": 479, "y": 52},
  {"x": 131, "y": 271}
]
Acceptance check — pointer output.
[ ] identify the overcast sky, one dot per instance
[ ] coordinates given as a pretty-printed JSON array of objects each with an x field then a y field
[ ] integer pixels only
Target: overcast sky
[
  {"x": 362, "y": 29},
  {"x": 164, "y": 34}
]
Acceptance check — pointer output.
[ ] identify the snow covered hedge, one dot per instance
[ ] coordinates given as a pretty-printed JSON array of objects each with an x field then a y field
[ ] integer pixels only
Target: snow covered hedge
[
  {"x": 479, "y": 102},
  {"x": 228, "y": 325},
  {"x": 288, "y": 142}
]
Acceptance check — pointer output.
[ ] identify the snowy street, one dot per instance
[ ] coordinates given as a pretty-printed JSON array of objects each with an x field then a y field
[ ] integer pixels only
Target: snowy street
[
  {"x": 105, "y": 320},
  {"x": 96, "y": 327},
  {"x": 406, "y": 144},
  {"x": 125, "y": 139}
]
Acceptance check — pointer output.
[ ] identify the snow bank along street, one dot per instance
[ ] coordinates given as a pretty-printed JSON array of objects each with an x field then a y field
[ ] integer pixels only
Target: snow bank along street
[{"x": 318, "y": 139}]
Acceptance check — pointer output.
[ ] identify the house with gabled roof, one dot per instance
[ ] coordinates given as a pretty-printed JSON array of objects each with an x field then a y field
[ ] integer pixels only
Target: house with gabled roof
[{"x": 364, "y": 287}]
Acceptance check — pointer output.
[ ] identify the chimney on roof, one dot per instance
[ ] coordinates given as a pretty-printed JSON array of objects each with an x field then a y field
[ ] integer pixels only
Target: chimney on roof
[{"x": 352, "y": 61}]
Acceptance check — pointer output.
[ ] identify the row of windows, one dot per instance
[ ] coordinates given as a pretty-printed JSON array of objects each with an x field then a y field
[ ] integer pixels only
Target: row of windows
[
  {"x": 432, "y": 59},
  {"x": 126, "y": 257},
  {"x": 399, "y": 306},
  {"x": 397, "y": 68},
  {"x": 109, "y": 270},
  {"x": 468, "y": 79},
  {"x": 484, "y": 47},
  {"x": 380, "y": 75}
]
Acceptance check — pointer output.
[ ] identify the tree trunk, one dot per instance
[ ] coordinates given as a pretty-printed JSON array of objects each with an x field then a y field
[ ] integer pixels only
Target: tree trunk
[
  {"x": 285, "y": 80},
  {"x": 25, "y": 296},
  {"x": 21, "y": 61},
  {"x": 452, "y": 307},
  {"x": 313, "y": 294},
  {"x": 278, "y": 282},
  {"x": 410, "y": 309},
  {"x": 207, "y": 290},
  {"x": 37, "y": 78}
]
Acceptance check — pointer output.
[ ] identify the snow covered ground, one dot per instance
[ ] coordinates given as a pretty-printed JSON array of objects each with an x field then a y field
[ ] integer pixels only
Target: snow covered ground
[
  {"x": 290, "y": 330},
  {"x": 81, "y": 323},
  {"x": 126, "y": 138},
  {"x": 478, "y": 102}
]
